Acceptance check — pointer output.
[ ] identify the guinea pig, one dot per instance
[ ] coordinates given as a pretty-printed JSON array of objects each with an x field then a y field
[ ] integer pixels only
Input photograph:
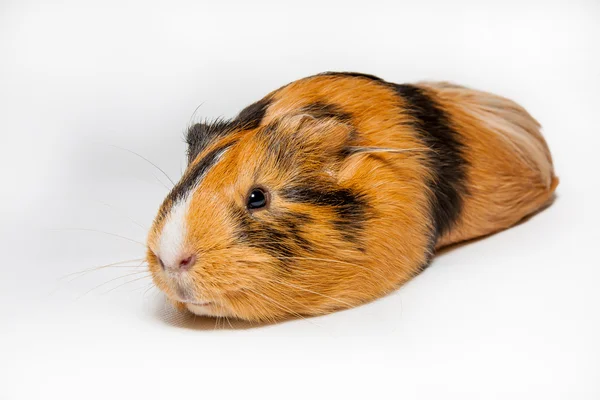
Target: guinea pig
[{"x": 335, "y": 189}]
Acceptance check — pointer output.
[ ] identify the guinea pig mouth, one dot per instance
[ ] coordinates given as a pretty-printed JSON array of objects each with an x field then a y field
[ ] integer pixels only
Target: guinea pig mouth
[
  {"x": 202, "y": 304},
  {"x": 188, "y": 298}
]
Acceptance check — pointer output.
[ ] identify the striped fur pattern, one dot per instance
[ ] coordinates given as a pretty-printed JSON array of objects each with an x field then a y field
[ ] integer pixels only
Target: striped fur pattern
[{"x": 364, "y": 180}]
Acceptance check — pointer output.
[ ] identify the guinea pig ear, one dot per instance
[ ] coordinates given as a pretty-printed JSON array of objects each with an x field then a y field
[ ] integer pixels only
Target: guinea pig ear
[
  {"x": 202, "y": 134},
  {"x": 320, "y": 136}
]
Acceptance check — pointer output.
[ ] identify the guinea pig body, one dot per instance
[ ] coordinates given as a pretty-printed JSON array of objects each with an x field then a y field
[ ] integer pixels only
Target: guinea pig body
[{"x": 335, "y": 189}]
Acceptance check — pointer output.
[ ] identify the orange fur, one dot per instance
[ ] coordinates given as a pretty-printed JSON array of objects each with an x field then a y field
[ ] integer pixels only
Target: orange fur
[
  {"x": 508, "y": 177},
  {"x": 511, "y": 177}
]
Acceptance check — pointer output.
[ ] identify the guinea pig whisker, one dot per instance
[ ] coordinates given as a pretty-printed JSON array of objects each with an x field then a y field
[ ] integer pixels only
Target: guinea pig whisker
[
  {"x": 145, "y": 159},
  {"x": 218, "y": 319},
  {"x": 365, "y": 149},
  {"x": 146, "y": 287},
  {"x": 149, "y": 288},
  {"x": 128, "y": 282},
  {"x": 315, "y": 259},
  {"x": 161, "y": 182},
  {"x": 282, "y": 307},
  {"x": 218, "y": 323},
  {"x": 190, "y": 123},
  {"x": 313, "y": 292},
  {"x": 116, "y": 264},
  {"x": 120, "y": 212},
  {"x": 114, "y": 279},
  {"x": 221, "y": 322},
  {"x": 277, "y": 289},
  {"x": 130, "y": 268},
  {"x": 336, "y": 262},
  {"x": 98, "y": 231}
]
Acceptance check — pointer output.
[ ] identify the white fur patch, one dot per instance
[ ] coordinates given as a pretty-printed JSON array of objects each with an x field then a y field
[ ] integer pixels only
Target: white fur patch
[
  {"x": 172, "y": 237},
  {"x": 198, "y": 309},
  {"x": 174, "y": 231},
  {"x": 209, "y": 311}
]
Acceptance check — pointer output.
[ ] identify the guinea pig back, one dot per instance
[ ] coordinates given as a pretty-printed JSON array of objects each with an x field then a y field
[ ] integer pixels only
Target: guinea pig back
[{"x": 335, "y": 189}]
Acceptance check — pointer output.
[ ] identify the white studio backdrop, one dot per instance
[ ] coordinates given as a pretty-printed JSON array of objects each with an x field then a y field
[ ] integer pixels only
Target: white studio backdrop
[{"x": 512, "y": 316}]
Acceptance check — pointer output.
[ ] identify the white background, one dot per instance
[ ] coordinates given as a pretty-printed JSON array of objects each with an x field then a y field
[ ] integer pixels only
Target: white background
[{"x": 514, "y": 316}]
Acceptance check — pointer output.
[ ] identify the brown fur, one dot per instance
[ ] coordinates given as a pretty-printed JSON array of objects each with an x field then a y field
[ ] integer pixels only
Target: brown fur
[{"x": 509, "y": 176}]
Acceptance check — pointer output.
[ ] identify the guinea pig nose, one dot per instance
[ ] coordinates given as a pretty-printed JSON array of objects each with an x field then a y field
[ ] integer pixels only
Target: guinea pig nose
[
  {"x": 187, "y": 262},
  {"x": 178, "y": 264}
]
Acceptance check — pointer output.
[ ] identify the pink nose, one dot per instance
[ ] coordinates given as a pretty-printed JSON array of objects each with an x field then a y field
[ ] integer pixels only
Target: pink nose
[
  {"x": 184, "y": 264},
  {"x": 187, "y": 262}
]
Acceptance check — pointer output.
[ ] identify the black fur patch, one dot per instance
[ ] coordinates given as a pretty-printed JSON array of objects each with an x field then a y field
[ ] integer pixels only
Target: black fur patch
[
  {"x": 294, "y": 227},
  {"x": 251, "y": 116},
  {"x": 282, "y": 234},
  {"x": 447, "y": 161},
  {"x": 275, "y": 240},
  {"x": 352, "y": 74},
  {"x": 325, "y": 110},
  {"x": 349, "y": 207},
  {"x": 279, "y": 237},
  {"x": 201, "y": 135},
  {"x": 301, "y": 219},
  {"x": 193, "y": 177}
]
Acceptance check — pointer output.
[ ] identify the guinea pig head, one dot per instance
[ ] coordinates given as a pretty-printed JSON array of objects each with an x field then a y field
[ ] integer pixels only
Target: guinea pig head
[{"x": 261, "y": 226}]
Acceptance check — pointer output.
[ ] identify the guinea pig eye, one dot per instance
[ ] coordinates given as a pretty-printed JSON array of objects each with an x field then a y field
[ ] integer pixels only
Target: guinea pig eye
[{"x": 257, "y": 199}]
